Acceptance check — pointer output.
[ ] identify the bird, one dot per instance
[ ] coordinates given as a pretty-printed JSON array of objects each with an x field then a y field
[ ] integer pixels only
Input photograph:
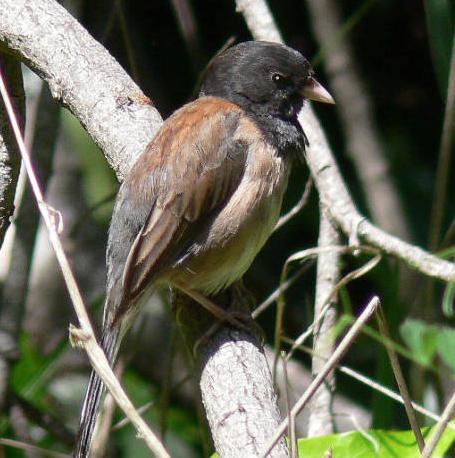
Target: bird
[{"x": 203, "y": 198}]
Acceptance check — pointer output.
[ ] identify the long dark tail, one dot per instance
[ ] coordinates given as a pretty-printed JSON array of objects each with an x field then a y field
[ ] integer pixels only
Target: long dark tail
[{"x": 93, "y": 396}]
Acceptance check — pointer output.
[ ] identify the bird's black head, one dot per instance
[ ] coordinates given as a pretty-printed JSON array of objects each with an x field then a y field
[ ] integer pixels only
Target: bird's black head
[{"x": 268, "y": 80}]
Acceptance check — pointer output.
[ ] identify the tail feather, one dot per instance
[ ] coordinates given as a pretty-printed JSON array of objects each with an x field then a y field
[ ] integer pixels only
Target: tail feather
[{"x": 95, "y": 391}]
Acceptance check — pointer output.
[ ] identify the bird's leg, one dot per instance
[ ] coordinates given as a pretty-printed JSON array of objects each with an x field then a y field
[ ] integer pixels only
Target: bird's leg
[
  {"x": 240, "y": 319},
  {"x": 231, "y": 317}
]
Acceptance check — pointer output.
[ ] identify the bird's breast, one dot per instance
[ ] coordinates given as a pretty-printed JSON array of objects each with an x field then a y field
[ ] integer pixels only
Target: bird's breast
[{"x": 232, "y": 239}]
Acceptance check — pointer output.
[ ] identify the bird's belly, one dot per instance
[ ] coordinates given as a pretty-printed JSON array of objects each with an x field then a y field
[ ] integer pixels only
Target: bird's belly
[{"x": 233, "y": 239}]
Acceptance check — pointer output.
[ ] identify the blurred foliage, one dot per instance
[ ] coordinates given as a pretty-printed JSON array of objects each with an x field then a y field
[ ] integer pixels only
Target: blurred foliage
[{"x": 402, "y": 50}]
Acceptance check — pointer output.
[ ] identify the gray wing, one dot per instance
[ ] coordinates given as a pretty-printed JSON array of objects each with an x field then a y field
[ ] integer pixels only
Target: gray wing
[{"x": 191, "y": 167}]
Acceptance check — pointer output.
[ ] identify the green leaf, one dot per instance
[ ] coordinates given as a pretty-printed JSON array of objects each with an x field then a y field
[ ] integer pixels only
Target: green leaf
[
  {"x": 372, "y": 443},
  {"x": 448, "y": 302},
  {"x": 446, "y": 346},
  {"x": 421, "y": 338},
  {"x": 31, "y": 374}
]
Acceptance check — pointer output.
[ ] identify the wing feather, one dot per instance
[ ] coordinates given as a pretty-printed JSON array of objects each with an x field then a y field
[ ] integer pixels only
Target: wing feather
[{"x": 193, "y": 165}]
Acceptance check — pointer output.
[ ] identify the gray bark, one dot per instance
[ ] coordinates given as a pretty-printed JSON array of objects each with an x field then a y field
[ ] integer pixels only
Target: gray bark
[
  {"x": 9, "y": 153},
  {"x": 88, "y": 81},
  {"x": 239, "y": 397},
  {"x": 328, "y": 273},
  {"x": 82, "y": 76}
]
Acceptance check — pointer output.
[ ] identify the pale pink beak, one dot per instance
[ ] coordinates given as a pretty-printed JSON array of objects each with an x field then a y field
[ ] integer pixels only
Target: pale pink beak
[{"x": 312, "y": 90}]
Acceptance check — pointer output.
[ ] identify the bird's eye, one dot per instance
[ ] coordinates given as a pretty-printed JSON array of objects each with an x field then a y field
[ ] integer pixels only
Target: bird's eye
[{"x": 277, "y": 78}]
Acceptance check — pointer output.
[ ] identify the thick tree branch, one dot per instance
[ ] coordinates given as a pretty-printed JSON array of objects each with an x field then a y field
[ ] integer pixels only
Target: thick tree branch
[
  {"x": 83, "y": 76},
  {"x": 241, "y": 421},
  {"x": 87, "y": 80}
]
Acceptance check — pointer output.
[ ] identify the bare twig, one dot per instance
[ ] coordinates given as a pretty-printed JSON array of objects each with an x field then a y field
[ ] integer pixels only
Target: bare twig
[
  {"x": 307, "y": 254},
  {"x": 83, "y": 76},
  {"x": 375, "y": 385},
  {"x": 439, "y": 429},
  {"x": 84, "y": 336},
  {"x": 389, "y": 393},
  {"x": 329, "y": 365},
  {"x": 34, "y": 448},
  {"x": 401, "y": 382},
  {"x": 15, "y": 288},
  {"x": 327, "y": 277},
  {"x": 357, "y": 273},
  {"x": 280, "y": 290},
  {"x": 297, "y": 207},
  {"x": 104, "y": 424},
  {"x": 293, "y": 447}
]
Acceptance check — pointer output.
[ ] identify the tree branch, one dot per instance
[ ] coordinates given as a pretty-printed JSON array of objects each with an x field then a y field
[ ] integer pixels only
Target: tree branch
[
  {"x": 83, "y": 76},
  {"x": 83, "y": 336},
  {"x": 87, "y": 80},
  {"x": 332, "y": 189},
  {"x": 354, "y": 107},
  {"x": 328, "y": 272}
]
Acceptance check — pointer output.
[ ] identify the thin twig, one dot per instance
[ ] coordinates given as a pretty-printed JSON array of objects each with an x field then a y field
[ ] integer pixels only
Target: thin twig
[
  {"x": 297, "y": 207},
  {"x": 353, "y": 275},
  {"x": 439, "y": 429},
  {"x": 33, "y": 448},
  {"x": 389, "y": 393},
  {"x": 302, "y": 256},
  {"x": 293, "y": 447},
  {"x": 332, "y": 361},
  {"x": 401, "y": 382},
  {"x": 84, "y": 336},
  {"x": 281, "y": 289},
  {"x": 125, "y": 421},
  {"x": 375, "y": 385},
  {"x": 104, "y": 423}
]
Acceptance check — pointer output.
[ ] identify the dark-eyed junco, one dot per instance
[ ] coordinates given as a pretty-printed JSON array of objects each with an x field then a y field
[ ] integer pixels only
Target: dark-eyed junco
[{"x": 205, "y": 195}]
